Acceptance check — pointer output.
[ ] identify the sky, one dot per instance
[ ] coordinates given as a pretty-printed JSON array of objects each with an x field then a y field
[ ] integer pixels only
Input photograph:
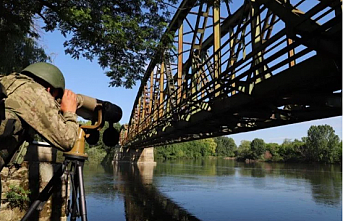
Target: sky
[{"x": 85, "y": 77}]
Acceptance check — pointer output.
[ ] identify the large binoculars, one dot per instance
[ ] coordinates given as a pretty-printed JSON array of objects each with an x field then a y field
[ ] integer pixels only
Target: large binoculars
[{"x": 98, "y": 112}]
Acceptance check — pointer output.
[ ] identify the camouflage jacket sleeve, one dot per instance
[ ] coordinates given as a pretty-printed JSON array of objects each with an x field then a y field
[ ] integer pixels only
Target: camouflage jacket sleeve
[{"x": 32, "y": 103}]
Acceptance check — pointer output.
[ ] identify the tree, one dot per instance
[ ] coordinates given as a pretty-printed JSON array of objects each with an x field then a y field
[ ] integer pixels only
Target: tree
[
  {"x": 322, "y": 144},
  {"x": 245, "y": 144},
  {"x": 258, "y": 147},
  {"x": 244, "y": 151},
  {"x": 190, "y": 149},
  {"x": 209, "y": 147},
  {"x": 121, "y": 35},
  {"x": 339, "y": 153},
  {"x": 274, "y": 148},
  {"x": 18, "y": 37},
  {"x": 225, "y": 146},
  {"x": 17, "y": 53},
  {"x": 291, "y": 150}
]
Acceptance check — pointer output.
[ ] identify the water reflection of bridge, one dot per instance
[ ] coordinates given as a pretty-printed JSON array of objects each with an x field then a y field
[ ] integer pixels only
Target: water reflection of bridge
[{"x": 143, "y": 201}]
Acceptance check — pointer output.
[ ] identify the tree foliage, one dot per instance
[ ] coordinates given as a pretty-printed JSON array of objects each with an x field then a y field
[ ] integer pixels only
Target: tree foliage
[
  {"x": 244, "y": 151},
  {"x": 226, "y": 146},
  {"x": 121, "y": 35},
  {"x": 291, "y": 150},
  {"x": 17, "y": 53},
  {"x": 258, "y": 147},
  {"x": 18, "y": 38},
  {"x": 322, "y": 144},
  {"x": 191, "y": 149},
  {"x": 17, "y": 196}
]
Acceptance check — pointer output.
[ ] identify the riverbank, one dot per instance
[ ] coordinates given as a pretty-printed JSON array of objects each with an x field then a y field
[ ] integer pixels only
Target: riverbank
[{"x": 100, "y": 156}]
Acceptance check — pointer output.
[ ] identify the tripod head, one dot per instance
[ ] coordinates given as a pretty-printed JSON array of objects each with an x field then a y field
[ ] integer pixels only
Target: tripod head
[{"x": 98, "y": 112}]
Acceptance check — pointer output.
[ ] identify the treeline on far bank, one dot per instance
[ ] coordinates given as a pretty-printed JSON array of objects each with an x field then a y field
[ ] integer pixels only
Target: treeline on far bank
[{"x": 320, "y": 145}]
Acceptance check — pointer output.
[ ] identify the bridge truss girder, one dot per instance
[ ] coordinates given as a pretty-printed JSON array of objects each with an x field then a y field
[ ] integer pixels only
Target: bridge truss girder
[{"x": 268, "y": 63}]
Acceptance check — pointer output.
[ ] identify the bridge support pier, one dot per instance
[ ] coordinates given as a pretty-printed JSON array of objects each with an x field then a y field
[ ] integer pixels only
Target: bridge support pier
[{"x": 139, "y": 156}]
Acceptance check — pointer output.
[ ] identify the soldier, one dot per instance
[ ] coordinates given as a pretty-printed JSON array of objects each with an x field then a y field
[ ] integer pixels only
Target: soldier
[{"x": 31, "y": 107}]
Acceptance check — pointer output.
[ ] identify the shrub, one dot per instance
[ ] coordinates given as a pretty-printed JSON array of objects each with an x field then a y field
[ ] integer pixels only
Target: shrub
[{"x": 17, "y": 197}]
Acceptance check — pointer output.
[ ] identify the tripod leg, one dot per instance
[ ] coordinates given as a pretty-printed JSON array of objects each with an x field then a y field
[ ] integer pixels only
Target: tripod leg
[
  {"x": 82, "y": 199},
  {"x": 74, "y": 193},
  {"x": 45, "y": 194}
]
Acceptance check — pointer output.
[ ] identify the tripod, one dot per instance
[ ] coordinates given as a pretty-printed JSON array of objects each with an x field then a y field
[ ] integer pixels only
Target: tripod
[
  {"x": 73, "y": 168},
  {"x": 76, "y": 207},
  {"x": 73, "y": 165}
]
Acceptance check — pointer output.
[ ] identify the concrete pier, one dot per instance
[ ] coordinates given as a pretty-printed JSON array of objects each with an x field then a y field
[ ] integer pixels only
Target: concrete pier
[{"x": 139, "y": 156}]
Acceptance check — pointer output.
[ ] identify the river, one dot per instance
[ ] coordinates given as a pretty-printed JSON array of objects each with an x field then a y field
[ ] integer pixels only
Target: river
[{"x": 213, "y": 190}]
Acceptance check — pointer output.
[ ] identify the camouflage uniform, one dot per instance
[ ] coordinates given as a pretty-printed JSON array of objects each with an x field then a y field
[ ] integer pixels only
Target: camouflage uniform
[{"x": 30, "y": 107}]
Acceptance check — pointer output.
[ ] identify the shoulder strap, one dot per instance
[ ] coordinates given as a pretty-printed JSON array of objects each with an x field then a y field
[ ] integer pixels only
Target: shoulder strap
[
  {"x": 3, "y": 95},
  {"x": 9, "y": 128}
]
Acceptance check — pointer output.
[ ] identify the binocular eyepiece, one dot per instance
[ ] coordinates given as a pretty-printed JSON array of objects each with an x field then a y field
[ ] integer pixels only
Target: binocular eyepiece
[{"x": 90, "y": 108}]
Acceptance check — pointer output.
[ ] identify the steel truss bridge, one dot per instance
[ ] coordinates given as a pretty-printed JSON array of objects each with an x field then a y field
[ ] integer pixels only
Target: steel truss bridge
[{"x": 263, "y": 64}]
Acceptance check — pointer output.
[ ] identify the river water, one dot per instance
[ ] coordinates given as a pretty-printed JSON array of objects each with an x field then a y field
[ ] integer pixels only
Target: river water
[{"x": 213, "y": 189}]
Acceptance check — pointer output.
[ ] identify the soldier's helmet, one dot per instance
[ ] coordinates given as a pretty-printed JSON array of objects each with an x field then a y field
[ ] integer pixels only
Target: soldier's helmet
[{"x": 47, "y": 72}]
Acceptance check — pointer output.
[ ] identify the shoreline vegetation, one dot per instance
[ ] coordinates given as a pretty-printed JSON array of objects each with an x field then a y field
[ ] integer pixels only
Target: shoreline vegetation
[{"x": 321, "y": 145}]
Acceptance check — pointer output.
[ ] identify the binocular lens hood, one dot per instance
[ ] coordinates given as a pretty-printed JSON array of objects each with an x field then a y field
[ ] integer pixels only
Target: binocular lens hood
[{"x": 112, "y": 113}]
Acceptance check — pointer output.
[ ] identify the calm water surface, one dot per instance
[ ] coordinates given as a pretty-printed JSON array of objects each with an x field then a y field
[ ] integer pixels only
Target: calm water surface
[{"x": 214, "y": 190}]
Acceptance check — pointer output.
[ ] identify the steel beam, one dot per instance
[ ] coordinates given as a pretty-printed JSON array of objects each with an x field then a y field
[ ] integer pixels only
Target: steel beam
[{"x": 257, "y": 89}]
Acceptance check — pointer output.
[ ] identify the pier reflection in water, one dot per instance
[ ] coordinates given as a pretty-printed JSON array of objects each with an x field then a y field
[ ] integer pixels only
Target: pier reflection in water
[
  {"x": 214, "y": 190},
  {"x": 143, "y": 201}
]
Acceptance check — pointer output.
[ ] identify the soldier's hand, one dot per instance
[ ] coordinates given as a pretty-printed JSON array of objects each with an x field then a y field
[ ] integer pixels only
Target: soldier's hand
[{"x": 68, "y": 103}]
